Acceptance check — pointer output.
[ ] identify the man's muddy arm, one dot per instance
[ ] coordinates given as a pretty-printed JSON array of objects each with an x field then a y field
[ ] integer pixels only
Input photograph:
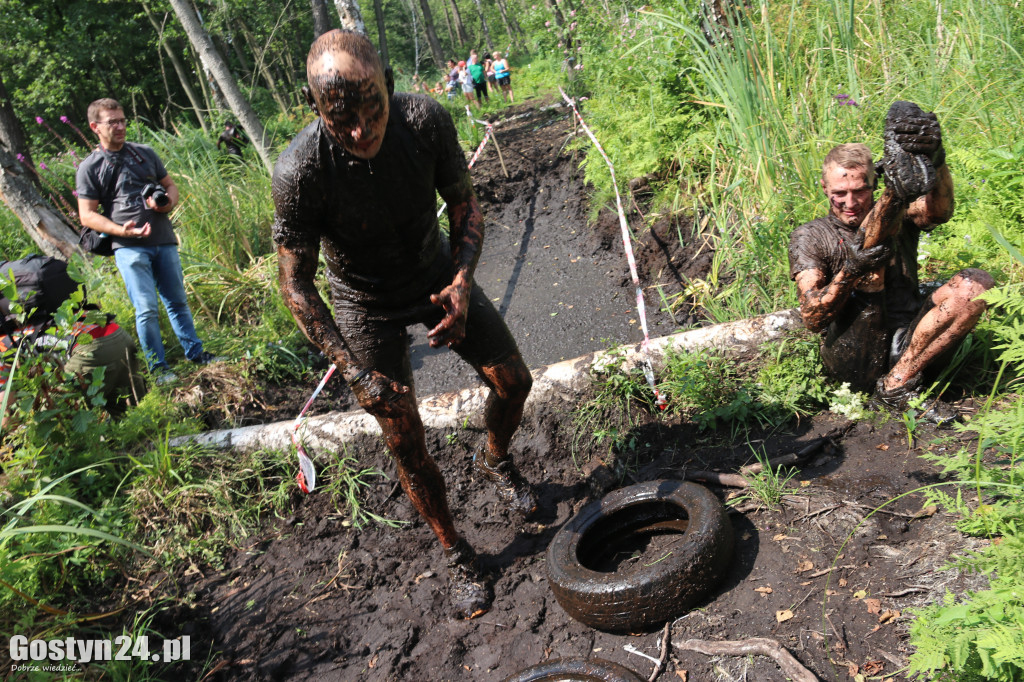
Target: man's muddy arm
[
  {"x": 466, "y": 229},
  {"x": 297, "y": 271},
  {"x": 884, "y": 220},
  {"x": 466, "y": 235},
  {"x": 936, "y": 207},
  {"x": 821, "y": 300}
]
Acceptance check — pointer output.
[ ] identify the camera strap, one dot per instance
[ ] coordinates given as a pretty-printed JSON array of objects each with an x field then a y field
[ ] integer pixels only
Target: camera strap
[{"x": 118, "y": 165}]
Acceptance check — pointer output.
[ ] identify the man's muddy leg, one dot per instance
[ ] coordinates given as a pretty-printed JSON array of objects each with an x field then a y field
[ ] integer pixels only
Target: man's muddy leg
[
  {"x": 417, "y": 472},
  {"x": 470, "y": 595},
  {"x": 957, "y": 309},
  {"x": 510, "y": 383}
]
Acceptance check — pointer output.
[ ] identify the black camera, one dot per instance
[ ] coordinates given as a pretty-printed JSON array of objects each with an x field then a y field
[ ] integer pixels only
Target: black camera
[{"x": 156, "y": 191}]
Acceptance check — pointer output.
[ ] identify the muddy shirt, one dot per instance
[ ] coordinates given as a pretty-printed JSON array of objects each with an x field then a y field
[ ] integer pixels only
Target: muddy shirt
[
  {"x": 376, "y": 220},
  {"x": 116, "y": 179},
  {"x": 822, "y": 244}
]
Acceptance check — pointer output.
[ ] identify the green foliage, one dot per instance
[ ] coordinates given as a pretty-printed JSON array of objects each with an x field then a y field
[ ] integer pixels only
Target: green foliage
[
  {"x": 768, "y": 486},
  {"x": 982, "y": 635},
  {"x": 707, "y": 387},
  {"x": 609, "y": 414},
  {"x": 347, "y": 484}
]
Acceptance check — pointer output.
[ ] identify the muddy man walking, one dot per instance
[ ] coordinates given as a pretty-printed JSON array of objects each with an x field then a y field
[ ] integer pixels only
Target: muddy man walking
[
  {"x": 360, "y": 182},
  {"x": 856, "y": 268}
]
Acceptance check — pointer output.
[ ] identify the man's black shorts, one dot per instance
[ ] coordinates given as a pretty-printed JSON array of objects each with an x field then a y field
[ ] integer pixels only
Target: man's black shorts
[{"x": 378, "y": 339}]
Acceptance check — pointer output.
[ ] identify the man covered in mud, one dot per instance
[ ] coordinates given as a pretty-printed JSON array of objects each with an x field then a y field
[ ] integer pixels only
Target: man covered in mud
[
  {"x": 856, "y": 268},
  {"x": 360, "y": 181}
]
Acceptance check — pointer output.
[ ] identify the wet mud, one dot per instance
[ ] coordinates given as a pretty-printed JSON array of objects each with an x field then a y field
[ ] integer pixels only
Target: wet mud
[{"x": 314, "y": 596}]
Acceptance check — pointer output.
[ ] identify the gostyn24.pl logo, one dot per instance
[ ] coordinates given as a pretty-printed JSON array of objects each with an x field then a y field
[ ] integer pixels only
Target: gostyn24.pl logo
[{"x": 28, "y": 654}]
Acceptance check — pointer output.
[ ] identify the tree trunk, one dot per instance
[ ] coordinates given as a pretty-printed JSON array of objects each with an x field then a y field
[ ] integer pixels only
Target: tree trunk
[
  {"x": 179, "y": 69},
  {"x": 483, "y": 23},
  {"x": 215, "y": 63},
  {"x": 428, "y": 27},
  {"x": 460, "y": 28},
  {"x": 448, "y": 20},
  {"x": 48, "y": 230},
  {"x": 321, "y": 20},
  {"x": 261, "y": 66},
  {"x": 515, "y": 32},
  {"x": 559, "y": 19},
  {"x": 350, "y": 15},
  {"x": 12, "y": 135},
  {"x": 382, "y": 38}
]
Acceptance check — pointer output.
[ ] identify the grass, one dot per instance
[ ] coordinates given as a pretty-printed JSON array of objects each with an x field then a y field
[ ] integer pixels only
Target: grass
[{"x": 734, "y": 134}]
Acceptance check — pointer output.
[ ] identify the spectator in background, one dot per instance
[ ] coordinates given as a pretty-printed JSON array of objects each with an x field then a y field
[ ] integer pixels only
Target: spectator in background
[
  {"x": 233, "y": 138},
  {"x": 136, "y": 193},
  {"x": 466, "y": 83},
  {"x": 492, "y": 82},
  {"x": 476, "y": 72},
  {"x": 502, "y": 74}
]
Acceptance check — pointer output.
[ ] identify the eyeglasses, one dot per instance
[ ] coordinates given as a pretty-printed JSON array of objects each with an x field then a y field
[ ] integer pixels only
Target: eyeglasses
[{"x": 114, "y": 122}]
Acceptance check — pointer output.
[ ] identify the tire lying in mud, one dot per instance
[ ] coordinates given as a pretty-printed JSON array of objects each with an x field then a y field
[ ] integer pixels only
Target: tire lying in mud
[
  {"x": 576, "y": 670},
  {"x": 644, "y": 596}
]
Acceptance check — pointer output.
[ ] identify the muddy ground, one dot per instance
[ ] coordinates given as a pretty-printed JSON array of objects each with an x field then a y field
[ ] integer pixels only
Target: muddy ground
[{"x": 313, "y": 597}]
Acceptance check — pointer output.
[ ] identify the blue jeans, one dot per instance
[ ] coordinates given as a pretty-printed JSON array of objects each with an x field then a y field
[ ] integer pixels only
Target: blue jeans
[{"x": 147, "y": 270}]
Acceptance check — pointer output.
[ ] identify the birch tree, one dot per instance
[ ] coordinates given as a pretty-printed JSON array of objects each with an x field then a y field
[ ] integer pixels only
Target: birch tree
[{"x": 216, "y": 66}]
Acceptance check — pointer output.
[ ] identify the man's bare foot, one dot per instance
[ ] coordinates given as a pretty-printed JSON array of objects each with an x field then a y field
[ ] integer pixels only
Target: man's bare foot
[
  {"x": 513, "y": 489},
  {"x": 469, "y": 594}
]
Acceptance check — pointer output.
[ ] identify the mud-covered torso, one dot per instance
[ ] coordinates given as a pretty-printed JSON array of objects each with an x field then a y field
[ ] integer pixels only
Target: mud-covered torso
[
  {"x": 822, "y": 244},
  {"x": 855, "y": 345},
  {"x": 375, "y": 220}
]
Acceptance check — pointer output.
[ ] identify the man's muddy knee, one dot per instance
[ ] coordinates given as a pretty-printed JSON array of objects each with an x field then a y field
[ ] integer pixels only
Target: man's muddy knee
[{"x": 975, "y": 278}]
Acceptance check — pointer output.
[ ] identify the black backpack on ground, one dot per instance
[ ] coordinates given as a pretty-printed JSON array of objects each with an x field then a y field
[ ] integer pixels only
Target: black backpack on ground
[{"x": 43, "y": 284}]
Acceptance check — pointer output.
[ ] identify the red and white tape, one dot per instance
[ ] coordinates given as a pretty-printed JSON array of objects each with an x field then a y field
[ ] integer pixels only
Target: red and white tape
[
  {"x": 306, "y": 477},
  {"x": 630, "y": 258}
]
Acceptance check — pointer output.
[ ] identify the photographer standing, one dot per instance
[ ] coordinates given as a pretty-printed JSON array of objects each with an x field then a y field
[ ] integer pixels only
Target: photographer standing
[{"x": 131, "y": 184}]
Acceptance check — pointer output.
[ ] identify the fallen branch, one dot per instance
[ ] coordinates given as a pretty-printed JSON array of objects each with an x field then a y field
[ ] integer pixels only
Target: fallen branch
[
  {"x": 758, "y": 646},
  {"x": 818, "y": 574},
  {"x": 789, "y": 458},
  {"x": 728, "y": 480},
  {"x": 664, "y": 654}
]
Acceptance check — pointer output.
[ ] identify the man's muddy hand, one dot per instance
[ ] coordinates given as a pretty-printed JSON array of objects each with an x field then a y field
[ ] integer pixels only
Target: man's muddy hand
[
  {"x": 454, "y": 298},
  {"x": 379, "y": 395},
  {"x": 860, "y": 261},
  {"x": 916, "y": 131}
]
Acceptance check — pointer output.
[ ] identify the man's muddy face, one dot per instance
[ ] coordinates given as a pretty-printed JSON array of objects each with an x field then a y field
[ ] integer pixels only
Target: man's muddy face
[
  {"x": 850, "y": 196},
  {"x": 355, "y": 112}
]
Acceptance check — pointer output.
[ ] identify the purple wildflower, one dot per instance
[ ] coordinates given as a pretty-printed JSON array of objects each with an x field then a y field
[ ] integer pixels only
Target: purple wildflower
[
  {"x": 39, "y": 120},
  {"x": 43, "y": 166},
  {"x": 21, "y": 157},
  {"x": 64, "y": 119}
]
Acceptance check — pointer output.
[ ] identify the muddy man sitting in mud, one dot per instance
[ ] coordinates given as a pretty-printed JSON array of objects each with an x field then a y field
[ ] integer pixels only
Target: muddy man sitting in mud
[
  {"x": 360, "y": 181},
  {"x": 856, "y": 268}
]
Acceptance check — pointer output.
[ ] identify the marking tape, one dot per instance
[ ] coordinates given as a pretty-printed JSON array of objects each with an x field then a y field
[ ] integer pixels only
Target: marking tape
[{"x": 628, "y": 247}]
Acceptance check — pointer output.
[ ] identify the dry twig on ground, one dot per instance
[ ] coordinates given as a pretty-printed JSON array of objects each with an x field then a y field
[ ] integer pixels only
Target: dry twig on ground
[{"x": 757, "y": 646}]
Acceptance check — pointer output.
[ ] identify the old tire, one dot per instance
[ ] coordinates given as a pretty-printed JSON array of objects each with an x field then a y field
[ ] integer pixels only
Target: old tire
[
  {"x": 576, "y": 670},
  {"x": 645, "y": 596}
]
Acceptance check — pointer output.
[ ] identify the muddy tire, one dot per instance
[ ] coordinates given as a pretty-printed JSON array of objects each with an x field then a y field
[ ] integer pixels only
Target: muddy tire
[
  {"x": 576, "y": 670},
  {"x": 642, "y": 597}
]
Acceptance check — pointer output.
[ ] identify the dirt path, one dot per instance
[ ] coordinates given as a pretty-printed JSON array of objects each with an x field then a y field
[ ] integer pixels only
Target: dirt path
[{"x": 316, "y": 598}]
